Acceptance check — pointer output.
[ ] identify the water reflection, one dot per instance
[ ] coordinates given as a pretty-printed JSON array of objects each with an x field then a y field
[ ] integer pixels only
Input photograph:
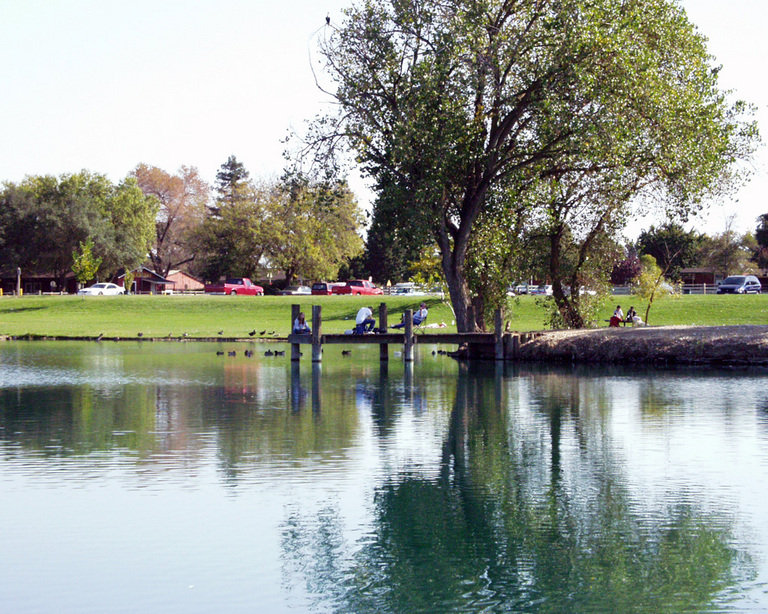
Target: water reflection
[
  {"x": 509, "y": 526},
  {"x": 397, "y": 487}
]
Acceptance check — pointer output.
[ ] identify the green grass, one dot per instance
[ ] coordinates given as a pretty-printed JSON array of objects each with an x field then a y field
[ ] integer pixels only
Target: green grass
[
  {"x": 198, "y": 316},
  {"x": 205, "y": 316}
]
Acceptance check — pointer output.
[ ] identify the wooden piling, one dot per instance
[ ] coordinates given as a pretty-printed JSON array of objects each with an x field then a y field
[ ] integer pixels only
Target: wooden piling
[
  {"x": 317, "y": 320},
  {"x": 295, "y": 347},
  {"x": 498, "y": 350},
  {"x": 408, "y": 346},
  {"x": 383, "y": 348}
]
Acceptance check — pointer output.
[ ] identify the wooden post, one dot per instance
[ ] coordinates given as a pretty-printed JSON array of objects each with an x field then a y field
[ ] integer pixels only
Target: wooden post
[
  {"x": 295, "y": 388},
  {"x": 408, "y": 347},
  {"x": 317, "y": 402},
  {"x": 383, "y": 348},
  {"x": 295, "y": 347},
  {"x": 498, "y": 350},
  {"x": 317, "y": 320},
  {"x": 511, "y": 343}
]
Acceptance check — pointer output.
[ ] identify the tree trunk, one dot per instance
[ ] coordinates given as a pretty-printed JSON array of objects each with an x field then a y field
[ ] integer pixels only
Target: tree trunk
[
  {"x": 565, "y": 304},
  {"x": 459, "y": 293}
]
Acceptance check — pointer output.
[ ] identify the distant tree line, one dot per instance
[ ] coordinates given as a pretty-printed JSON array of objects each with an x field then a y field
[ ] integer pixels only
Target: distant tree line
[{"x": 83, "y": 222}]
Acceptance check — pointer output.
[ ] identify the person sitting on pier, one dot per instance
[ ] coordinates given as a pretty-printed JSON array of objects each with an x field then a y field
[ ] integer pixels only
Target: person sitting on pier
[
  {"x": 300, "y": 326},
  {"x": 364, "y": 321},
  {"x": 418, "y": 317}
]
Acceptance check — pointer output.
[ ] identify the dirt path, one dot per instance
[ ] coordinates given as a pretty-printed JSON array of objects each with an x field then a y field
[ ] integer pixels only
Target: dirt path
[{"x": 738, "y": 345}]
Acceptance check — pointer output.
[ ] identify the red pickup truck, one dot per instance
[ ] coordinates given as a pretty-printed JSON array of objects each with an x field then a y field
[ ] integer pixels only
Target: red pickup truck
[
  {"x": 234, "y": 286},
  {"x": 357, "y": 286}
]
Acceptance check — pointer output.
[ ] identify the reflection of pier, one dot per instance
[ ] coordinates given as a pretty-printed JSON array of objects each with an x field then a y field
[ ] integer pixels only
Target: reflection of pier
[{"x": 497, "y": 345}]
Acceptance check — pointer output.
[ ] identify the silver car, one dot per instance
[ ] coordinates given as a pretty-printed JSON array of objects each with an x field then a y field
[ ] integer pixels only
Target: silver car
[{"x": 740, "y": 284}]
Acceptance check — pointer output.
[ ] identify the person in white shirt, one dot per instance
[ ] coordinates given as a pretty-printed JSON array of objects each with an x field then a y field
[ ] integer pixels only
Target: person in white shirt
[
  {"x": 364, "y": 320},
  {"x": 418, "y": 317}
]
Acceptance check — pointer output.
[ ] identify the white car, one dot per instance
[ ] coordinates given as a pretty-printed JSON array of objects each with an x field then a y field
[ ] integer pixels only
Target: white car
[
  {"x": 106, "y": 289},
  {"x": 291, "y": 290}
]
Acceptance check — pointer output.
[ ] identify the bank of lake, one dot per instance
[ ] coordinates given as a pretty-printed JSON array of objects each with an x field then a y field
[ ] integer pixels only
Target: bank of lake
[{"x": 199, "y": 316}]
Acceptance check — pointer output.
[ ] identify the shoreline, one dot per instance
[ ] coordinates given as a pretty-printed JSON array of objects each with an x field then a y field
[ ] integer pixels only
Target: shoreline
[
  {"x": 686, "y": 345},
  {"x": 735, "y": 345}
]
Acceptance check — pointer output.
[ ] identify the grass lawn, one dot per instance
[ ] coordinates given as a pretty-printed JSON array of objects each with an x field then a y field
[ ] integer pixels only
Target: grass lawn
[{"x": 205, "y": 316}]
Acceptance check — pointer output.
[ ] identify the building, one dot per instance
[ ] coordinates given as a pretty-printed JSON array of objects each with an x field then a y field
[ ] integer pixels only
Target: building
[
  {"x": 698, "y": 276},
  {"x": 145, "y": 281},
  {"x": 184, "y": 282}
]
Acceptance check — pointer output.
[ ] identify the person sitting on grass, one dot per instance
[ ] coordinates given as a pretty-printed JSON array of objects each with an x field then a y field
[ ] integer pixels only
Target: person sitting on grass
[
  {"x": 418, "y": 317},
  {"x": 630, "y": 315},
  {"x": 300, "y": 326}
]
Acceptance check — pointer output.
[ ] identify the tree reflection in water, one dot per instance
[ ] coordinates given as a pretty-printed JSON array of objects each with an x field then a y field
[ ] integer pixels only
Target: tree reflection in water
[{"x": 509, "y": 525}]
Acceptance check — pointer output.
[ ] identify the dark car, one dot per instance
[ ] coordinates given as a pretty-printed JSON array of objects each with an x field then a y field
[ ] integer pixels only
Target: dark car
[
  {"x": 740, "y": 284},
  {"x": 324, "y": 288}
]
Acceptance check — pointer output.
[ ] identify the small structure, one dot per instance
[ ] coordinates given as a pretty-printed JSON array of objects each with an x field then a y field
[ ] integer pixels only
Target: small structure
[
  {"x": 145, "y": 281},
  {"x": 698, "y": 276},
  {"x": 184, "y": 282},
  {"x": 37, "y": 283}
]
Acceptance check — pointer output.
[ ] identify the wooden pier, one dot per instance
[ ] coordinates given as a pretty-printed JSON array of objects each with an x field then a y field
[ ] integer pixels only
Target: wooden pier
[{"x": 495, "y": 346}]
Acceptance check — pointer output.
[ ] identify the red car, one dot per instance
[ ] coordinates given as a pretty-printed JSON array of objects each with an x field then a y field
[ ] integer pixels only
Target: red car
[
  {"x": 235, "y": 286},
  {"x": 357, "y": 286}
]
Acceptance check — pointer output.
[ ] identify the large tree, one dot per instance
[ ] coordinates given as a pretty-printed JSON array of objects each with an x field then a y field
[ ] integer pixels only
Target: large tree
[
  {"x": 761, "y": 237},
  {"x": 46, "y": 218},
  {"x": 673, "y": 247},
  {"x": 461, "y": 104},
  {"x": 314, "y": 227},
  {"x": 182, "y": 199},
  {"x": 728, "y": 253}
]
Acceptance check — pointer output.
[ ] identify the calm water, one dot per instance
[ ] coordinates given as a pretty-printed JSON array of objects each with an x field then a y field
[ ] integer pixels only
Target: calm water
[{"x": 164, "y": 478}]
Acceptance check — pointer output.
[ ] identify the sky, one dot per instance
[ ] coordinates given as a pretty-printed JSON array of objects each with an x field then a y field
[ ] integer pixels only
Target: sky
[{"x": 104, "y": 85}]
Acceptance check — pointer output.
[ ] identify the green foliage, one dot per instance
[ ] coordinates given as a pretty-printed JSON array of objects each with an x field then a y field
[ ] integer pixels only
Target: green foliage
[
  {"x": 728, "y": 253},
  {"x": 131, "y": 219},
  {"x": 672, "y": 247},
  {"x": 296, "y": 225},
  {"x": 649, "y": 281},
  {"x": 84, "y": 263},
  {"x": 51, "y": 216},
  {"x": 232, "y": 182},
  {"x": 427, "y": 270},
  {"x": 315, "y": 228},
  {"x": 128, "y": 278},
  {"x": 566, "y": 108}
]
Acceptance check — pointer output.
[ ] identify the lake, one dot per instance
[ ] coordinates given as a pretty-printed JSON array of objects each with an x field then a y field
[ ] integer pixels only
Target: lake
[{"x": 163, "y": 477}]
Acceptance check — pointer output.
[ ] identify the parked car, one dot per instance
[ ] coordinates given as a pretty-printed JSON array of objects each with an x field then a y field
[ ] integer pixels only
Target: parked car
[
  {"x": 407, "y": 289},
  {"x": 234, "y": 286},
  {"x": 545, "y": 289},
  {"x": 740, "y": 284},
  {"x": 523, "y": 289},
  {"x": 324, "y": 288},
  {"x": 297, "y": 290},
  {"x": 357, "y": 286},
  {"x": 100, "y": 289}
]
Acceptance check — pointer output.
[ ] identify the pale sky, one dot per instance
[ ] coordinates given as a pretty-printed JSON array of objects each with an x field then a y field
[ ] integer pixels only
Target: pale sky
[{"x": 105, "y": 85}]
